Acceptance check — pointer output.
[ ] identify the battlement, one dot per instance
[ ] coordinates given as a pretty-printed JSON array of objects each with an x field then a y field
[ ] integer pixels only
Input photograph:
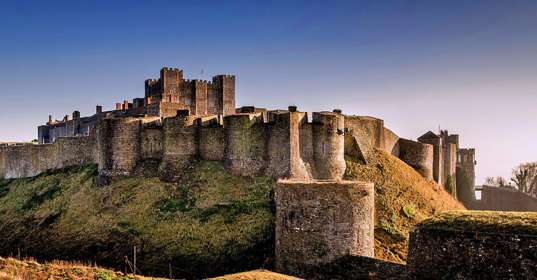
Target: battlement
[{"x": 466, "y": 156}]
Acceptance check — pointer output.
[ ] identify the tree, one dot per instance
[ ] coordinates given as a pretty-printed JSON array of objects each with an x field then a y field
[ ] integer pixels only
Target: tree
[
  {"x": 525, "y": 177},
  {"x": 498, "y": 181}
]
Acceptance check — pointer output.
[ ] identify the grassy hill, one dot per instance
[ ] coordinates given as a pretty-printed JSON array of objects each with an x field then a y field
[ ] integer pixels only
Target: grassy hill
[
  {"x": 402, "y": 199},
  {"x": 210, "y": 223}
]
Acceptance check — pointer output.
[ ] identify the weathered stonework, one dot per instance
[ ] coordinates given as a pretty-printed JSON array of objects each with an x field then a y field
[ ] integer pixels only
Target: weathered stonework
[
  {"x": 320, "y": 221},
  {"x": 417, "y": 155},
  {"x": 466, "y": 176},
  {"x": 328, "y": 145},
  {"x": 30, "y": 160},
  {"x": 367, "y": 132},
  {"x": 503, "y": 199},
  {"x": 245, "y": 150},
  {"x": 475, "y": 245}
]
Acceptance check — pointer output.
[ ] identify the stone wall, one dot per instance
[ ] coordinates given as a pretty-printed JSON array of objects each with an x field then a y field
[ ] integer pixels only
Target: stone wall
[
  {"x": 29, "y": 160},
  {"x": 151, "y": 139},
  {"x": 368, "y": 132},
  {"x": 318, "y": 222},
  {"x": 211, "y": 138},
  {"x": 503, "y": 199},
  {"x": 474, "y": 245},
  {"x": 418, "y": 155},
  {"x": 280, "y": 143},
  {"x": 180, "y": 145},
  {"x": 391, "y": 142}
]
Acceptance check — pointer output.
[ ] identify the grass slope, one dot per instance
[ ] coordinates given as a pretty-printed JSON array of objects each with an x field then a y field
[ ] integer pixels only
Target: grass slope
[
  {"x": 211, "y": 223},
  {"x": 13, "y": 269},
  {"x": 402, "y": 199},
  {"x": 259, "y": 274}
]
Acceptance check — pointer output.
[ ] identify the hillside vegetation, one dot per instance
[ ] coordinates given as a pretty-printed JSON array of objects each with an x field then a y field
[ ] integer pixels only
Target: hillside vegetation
[
  {"x": 210, "y": 223},
  {"x": 402, "y": 199}
]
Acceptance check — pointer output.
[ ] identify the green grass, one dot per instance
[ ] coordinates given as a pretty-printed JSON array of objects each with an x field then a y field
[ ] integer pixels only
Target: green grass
[
  {"x": 484, "y": 221},
  {"x": 209, "y": 223}
]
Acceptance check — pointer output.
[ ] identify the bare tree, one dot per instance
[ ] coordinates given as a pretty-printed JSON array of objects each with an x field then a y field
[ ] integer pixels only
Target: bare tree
[
  {"x": 525, "y": 177},
  {"x": 498, "y": 181}
]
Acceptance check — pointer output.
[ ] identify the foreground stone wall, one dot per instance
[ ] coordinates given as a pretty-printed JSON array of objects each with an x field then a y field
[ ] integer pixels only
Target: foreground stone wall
[
  {"x": 474, "y": 245},
  {"x": 318, "y": 222}
]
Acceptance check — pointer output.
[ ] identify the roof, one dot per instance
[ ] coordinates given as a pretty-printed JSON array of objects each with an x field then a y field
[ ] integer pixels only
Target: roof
[{"x": 428, "y": 135}]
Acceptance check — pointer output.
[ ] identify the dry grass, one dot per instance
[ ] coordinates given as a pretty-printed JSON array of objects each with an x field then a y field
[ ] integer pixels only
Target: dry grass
[
  {"x": 402, "y": 199},
  {"x": 259, "y": 274},
  {"x": 14, "y": 269}
]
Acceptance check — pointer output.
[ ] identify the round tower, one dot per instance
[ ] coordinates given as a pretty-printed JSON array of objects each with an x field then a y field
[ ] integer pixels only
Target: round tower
[
  {"x": 328, "y": 145},
  {"x": 244, "y": 148}
]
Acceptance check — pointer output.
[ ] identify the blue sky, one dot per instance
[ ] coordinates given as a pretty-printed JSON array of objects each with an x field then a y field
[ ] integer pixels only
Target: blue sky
[{"x": 466, "y": 66}]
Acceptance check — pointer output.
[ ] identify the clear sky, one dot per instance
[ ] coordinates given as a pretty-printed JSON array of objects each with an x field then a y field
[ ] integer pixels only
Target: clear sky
[{"x": 466, "y": 66}]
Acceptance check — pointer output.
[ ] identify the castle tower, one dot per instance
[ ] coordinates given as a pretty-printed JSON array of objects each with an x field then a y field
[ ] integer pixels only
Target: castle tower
[
  {"x": 328, "y": 145},
  {"x": 225, "y": 87},
  {"x": 320, "y": 221},
  {"x": 118, "y": 147},
  {"x": 466, "y": 176},
  {"x": 283, "y": 146},
  {"x": 449, "y": 151},
  {"x": 245, "y": 149},
  {"x": 171, "y": 79},
  {"x": 438, "y": 160},
  {"x": 180, "y": 144}
]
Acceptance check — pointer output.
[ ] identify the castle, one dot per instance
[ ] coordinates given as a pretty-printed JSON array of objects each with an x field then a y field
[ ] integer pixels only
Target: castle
[
  {"x": 163, "y": 98},
  {"x": 181, "y": 121}
]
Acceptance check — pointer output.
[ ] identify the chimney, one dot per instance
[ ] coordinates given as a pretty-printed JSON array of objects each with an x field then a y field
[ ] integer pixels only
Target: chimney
[
  {"x": 49, "y": 119},
  {"x": 76, "y": 115},
  {"x": 98, "y": 109},
  {"x": 118, "y": 106},
  {"x": 125, "y": 104}
]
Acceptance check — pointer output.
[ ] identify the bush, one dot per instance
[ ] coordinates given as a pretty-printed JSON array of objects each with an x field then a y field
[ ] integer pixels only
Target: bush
[{"x": 451, "y": 186}]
